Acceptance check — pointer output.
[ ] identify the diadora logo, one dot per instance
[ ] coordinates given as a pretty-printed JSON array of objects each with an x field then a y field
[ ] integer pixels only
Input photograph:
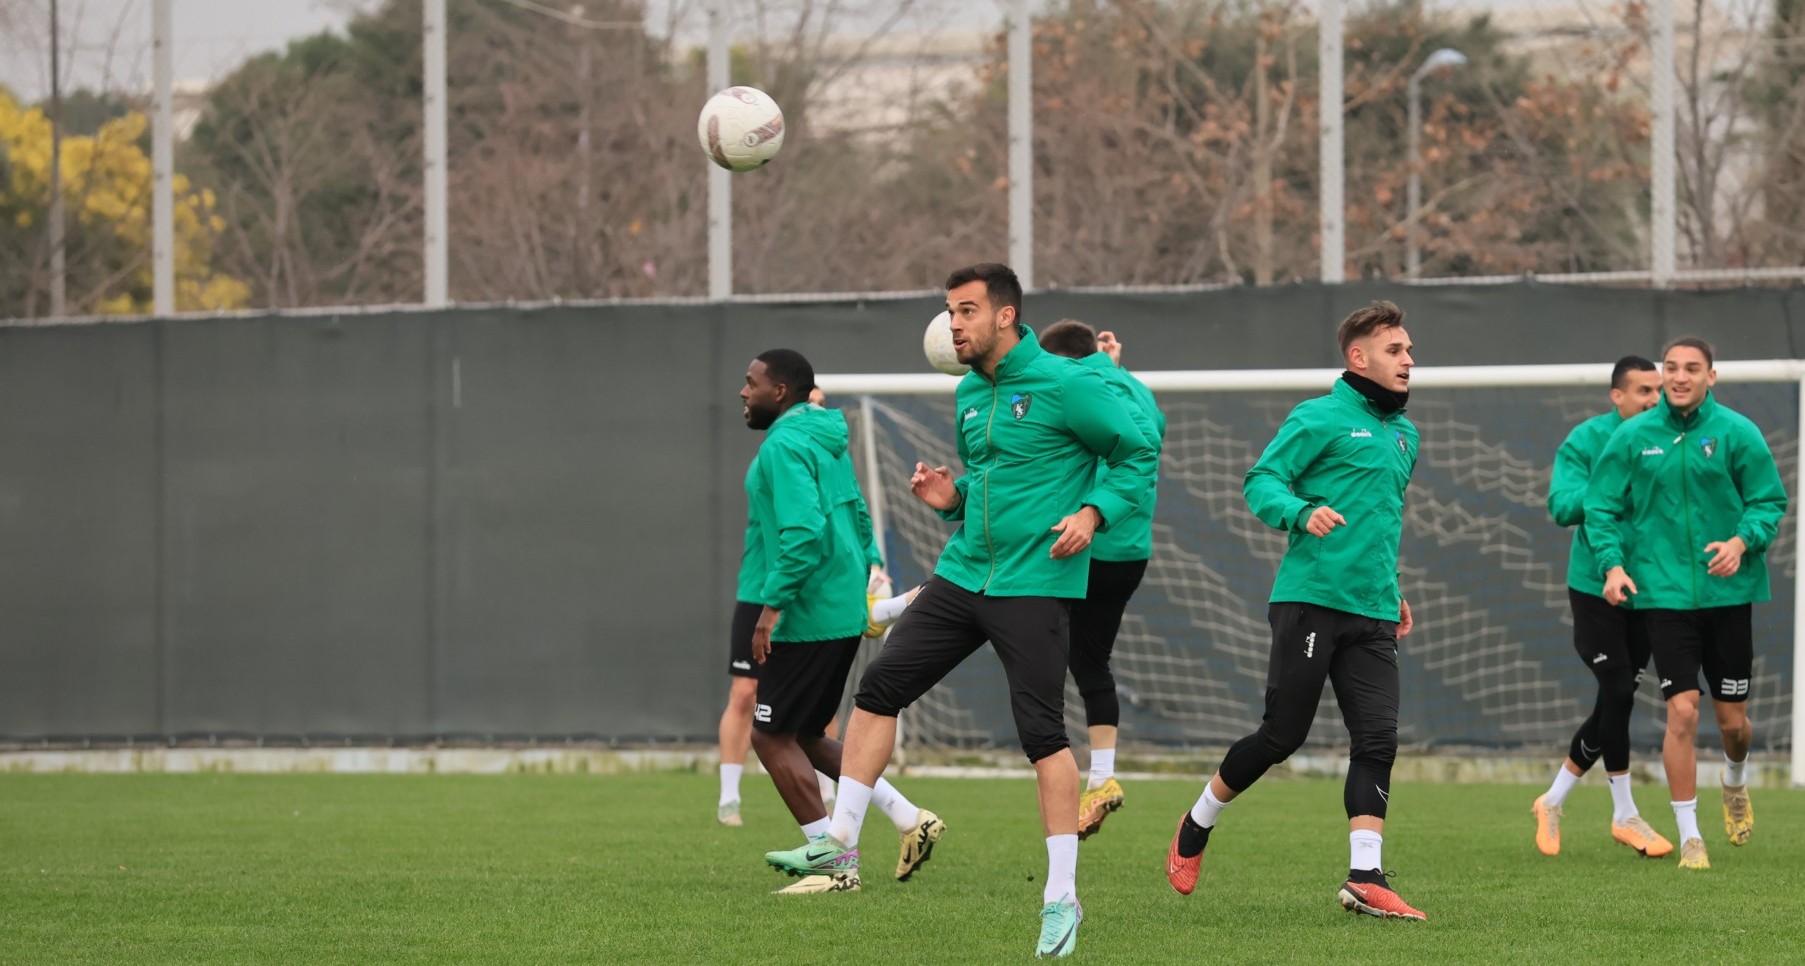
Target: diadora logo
[
  {"x": 1709, "y": 445},
  {"x": 1361, "y": 434},
  {"x": 762, "y": 712},
  {"x": 1310, "y": 644},
  {"x": 1667, "y": 682},
  {"x": 971, "y": 414},
  {"x": 1734, "y": 687},
  {"x": 1019, "y": 403},
  {"x": 1600, "y": 659},
  {"x": 1654, "y": 451},
  {"x": 742, "y": 665}
]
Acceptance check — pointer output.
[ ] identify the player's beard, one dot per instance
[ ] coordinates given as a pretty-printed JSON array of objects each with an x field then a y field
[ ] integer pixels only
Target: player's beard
[{"x": 760, "y": 416}]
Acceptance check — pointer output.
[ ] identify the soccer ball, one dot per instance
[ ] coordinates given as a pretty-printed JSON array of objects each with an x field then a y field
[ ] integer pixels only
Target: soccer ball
[
  {"x": 741, "y": 128},
  {"x": 937, "y": 345}
]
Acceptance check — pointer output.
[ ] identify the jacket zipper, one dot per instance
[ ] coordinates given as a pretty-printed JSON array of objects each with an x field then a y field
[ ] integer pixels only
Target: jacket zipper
[
  {"x": 989, "y": 547},
  {"x": 1686, "y": 503}
]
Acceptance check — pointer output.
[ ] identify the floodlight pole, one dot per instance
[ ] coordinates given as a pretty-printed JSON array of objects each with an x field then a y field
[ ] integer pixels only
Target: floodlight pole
[
  {"x": 437, "y": 220},
  {"x": 1330, "y": 164},
  {"x": 1021, "y": 142},
  {"x": 1662, "y": 204},
  {"x": 59, "y": 288},
  {"x": 720, "y": 180},
  {"x": 162, "y": 150}
]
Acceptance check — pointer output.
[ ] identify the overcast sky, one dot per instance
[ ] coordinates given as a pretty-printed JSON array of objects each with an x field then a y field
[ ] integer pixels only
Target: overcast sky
[{"x": 107, "y": 42}]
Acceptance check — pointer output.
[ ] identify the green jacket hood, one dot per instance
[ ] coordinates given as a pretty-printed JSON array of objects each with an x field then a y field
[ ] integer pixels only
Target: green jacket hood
[{"x": 825, "y": 427}]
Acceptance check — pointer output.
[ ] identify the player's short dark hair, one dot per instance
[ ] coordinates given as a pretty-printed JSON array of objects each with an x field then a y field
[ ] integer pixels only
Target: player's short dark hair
[
  {"x": 999, "y": 281},
  {"x": 1070, "y": 338},
  {"x": 787, "y": 367},
  {"x": 1627, "y": 365},
  {"x": 1364, "y": 322},
  {"x": 1692, "y": 342}
]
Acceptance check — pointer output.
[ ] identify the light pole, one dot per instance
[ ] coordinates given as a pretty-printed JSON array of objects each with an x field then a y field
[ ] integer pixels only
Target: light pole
[{"x": 1446, "y": 57}]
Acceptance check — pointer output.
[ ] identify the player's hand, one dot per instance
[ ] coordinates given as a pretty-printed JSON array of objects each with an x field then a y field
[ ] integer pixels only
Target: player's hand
[
  {"x": 1616, "y": 583},
  {"x": 1405, "y": 621},
  {"x": 1726, "y": 556},
  {"x": 1075, "y": 532},
  {"x": 1322, "y": 520},
  {"x": 817, "y": 397},
  {"x": 878, "y": 583},
  {"x": 934, "y": 486},
  {"x": 1109, "y": 345},
  {"x": 761, "y": 633}
]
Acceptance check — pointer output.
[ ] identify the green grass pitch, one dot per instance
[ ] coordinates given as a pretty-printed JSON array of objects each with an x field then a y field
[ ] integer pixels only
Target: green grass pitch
[{"x": 633, "y": 869}]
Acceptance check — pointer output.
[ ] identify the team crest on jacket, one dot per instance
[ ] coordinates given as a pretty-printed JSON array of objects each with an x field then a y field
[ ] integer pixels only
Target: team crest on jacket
[
  {"x": 1019, "y": 403},
  {"x": 1709, "y": 445},
  {"x": 1402, "y": 446}
]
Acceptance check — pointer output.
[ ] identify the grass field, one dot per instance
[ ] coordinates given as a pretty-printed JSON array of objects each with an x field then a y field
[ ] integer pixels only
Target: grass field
[{"x": 568, "y": 869}]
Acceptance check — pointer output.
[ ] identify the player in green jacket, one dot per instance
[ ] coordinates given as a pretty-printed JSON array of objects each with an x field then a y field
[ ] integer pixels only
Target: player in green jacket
[
  {"x": 810, "y": 523},
  {"x": 1031, "y": 427},
  {"x": 1611, "y": 641},
  {"x": 1118, "y": 562},
  {"x": 1684, "y": 501},
  {"x": 1333, "y": 479}
]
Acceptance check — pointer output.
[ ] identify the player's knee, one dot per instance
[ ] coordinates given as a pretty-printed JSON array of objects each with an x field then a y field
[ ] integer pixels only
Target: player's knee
[
  {"x": 1619, "y": 688},
  {"x": 1682, "y": 716},
  {"x": 741, "y": 697},
  {"x": 1374, "y": 747},
  {"x": 1279, "y": 744},
  {"x": 1044, "y": 744}
]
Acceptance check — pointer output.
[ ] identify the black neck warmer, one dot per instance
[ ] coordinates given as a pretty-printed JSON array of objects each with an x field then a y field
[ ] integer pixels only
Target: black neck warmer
[{"x": 1383, "y": 399}]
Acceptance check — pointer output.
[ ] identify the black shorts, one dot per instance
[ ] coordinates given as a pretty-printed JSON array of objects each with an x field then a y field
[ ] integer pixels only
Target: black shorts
[
  {"x": 1717, "y": 640},
  {"x": 1605, "y": 636},
  {"x": 1098, "y": 617},
  {"x": 800, "y": 685},
  {"x": 942, "y": 628},
  {"x": 739, "y": 643}
]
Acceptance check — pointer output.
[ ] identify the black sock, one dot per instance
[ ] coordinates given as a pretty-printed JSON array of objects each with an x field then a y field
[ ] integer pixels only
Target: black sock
[
  {"x": 1191, "y": 837},
  {"x": 1366, "y": 876}
]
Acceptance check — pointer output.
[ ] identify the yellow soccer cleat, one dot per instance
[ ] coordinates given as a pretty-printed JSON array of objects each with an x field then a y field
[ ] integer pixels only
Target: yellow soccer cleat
[
  {"x": 1641, "y": 836},
  {"x": 1739, "y": 814},
  {"x": 918, "y": 844},
  {"x": 818, "y": 884},
  {"x": 1548, "y": 826},
  {"x": 1692, "y": 855},
  {"x": 728, "y": 814},
  {"x": 1095, "y": 805}
]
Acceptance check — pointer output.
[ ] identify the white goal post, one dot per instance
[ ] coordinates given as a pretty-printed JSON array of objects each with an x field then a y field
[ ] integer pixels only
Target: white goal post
[{"x": 869, "y": 388}]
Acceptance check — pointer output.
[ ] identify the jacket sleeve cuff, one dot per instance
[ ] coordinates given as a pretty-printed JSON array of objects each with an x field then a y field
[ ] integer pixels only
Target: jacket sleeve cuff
[{"x": 1109, "y": 507}]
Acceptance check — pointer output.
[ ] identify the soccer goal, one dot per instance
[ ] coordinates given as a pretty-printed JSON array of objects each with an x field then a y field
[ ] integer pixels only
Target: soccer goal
[{"x": 1491, "y": 664}]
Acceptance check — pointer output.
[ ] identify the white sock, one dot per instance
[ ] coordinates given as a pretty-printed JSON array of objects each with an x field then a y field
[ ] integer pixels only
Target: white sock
[
  {"x": 817, "y": 827},
  {"x": 1686, "y": 814},
  {"x": 849, "y": 812},
  {"x": 1103, "y": 765},
  {"x": 1735, "y": 775},
  {"x": 902, "y": 812},
  {"x": 1363, "y": 850},
  {"x": 1062, "y": 868},
  {"x": 826, "y": 785},
  {"x": 1564, "y": 781},
  {"x": 1623, "y": 807},
  {"x": 1207, "y": 809},
  {"x": 888, "y": 610},
  {"x": 730, "y": 782}
]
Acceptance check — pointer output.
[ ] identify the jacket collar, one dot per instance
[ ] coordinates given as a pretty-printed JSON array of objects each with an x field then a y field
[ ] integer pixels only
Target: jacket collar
[
  {"x": 1353, "y": 397},
  {"x": 1019, "y": 358},
  {"x": 1672, "y": 417},
  {"x": 1097, "y": 360}
]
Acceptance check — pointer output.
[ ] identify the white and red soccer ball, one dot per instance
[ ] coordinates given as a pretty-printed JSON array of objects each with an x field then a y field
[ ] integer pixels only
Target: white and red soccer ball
[{"x": 741, "y": 128}]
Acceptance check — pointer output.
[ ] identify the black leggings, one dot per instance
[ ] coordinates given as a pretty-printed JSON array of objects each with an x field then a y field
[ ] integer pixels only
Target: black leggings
[
  {"x": 1095, "y": 621},
  {"x": 1613, "y": 644},
  {"x": 1359, "y": 655}
]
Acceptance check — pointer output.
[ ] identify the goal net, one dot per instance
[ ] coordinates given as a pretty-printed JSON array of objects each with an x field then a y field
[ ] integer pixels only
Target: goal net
[{"x": 1491, "y": 663}]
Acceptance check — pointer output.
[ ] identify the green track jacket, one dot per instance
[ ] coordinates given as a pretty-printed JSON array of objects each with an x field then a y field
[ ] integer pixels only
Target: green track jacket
[
  {"x": 1665, "y": 485},
  {"x": 1030, "y": 442},
  {"x": 1130, "y": 538},
  {"x": 812, "y": 526},
  {"x": 1337, "y": 451},
  {"x": 1573, "y": 464}
]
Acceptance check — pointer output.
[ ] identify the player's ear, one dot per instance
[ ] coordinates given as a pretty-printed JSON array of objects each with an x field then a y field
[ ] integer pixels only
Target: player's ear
[{"x": 1006, "y": 317}]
